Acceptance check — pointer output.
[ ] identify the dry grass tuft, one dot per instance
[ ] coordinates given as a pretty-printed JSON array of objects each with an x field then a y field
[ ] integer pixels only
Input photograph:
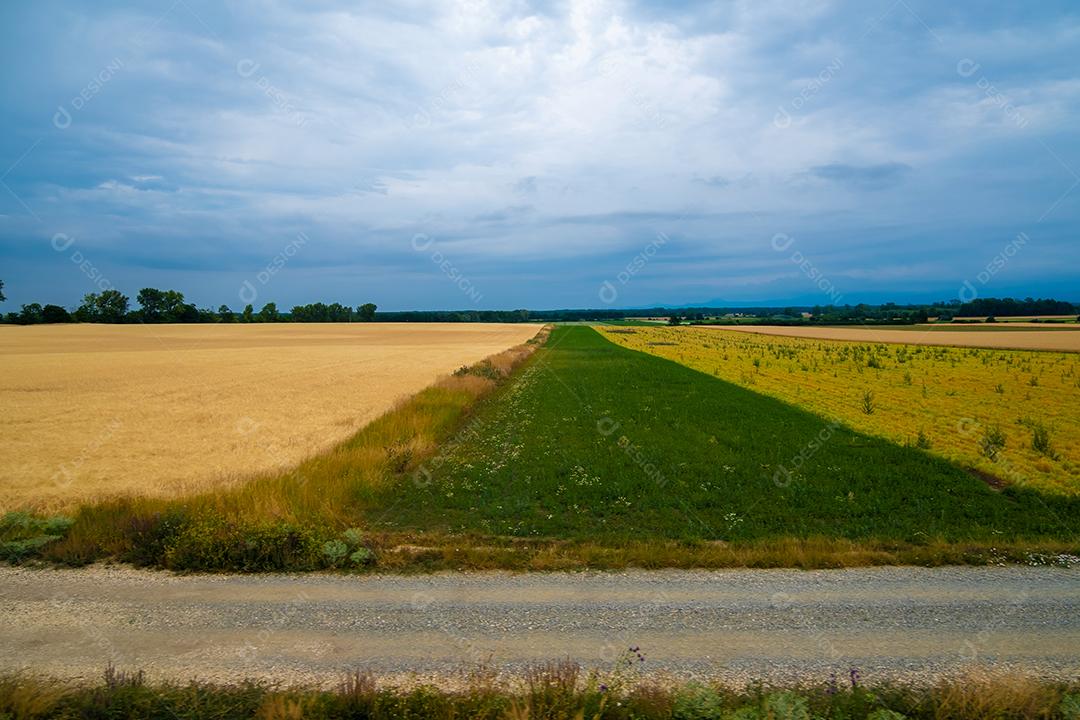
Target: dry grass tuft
[
  {"x": 554, "y": 690},
  {"x": 986, "y": 693},
  {"x": 25, "y": 697}
]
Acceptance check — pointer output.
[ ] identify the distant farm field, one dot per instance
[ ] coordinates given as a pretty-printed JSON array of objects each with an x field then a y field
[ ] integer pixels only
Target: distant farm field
[
  {"x": 1061, "y": 338},
  {"x": 161, "y": 410},
  {"x": 1009, "y": 414},
  {"x": 1024, "y": 319}
]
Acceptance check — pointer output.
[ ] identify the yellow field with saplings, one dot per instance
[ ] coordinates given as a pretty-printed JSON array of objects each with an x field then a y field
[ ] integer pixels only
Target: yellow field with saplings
[{"x": 1012, "y": 415}]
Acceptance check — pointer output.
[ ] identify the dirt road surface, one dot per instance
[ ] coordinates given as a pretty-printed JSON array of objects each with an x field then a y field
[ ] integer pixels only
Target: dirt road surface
[{"x": 911, "y": 624}]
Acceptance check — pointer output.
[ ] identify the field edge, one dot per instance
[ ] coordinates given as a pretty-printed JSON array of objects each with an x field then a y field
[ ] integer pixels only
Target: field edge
[{"x": 557, "y": 689}]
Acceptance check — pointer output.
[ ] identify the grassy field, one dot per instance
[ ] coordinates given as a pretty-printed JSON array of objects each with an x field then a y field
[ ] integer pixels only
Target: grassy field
[
  {"x": 92, "y": 411},
  {"x": 558, "y": 691},
  {"x": 595, "y": 443},
  {"x": 951, "y": 401}
]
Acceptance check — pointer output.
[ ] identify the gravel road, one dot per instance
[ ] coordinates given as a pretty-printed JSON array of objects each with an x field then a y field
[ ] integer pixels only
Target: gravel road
[{"x": 910, "y": 624}]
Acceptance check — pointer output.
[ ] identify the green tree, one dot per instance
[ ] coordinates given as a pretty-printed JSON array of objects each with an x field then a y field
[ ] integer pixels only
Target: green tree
[
  {"x": 336, "y": 312},
  {"x": 225, "y": 314},
  {"x": 88, "y": 310},
  {"x": 161, "y": 305},
  {"x": 249, "y": 313},
  {"x": 366, "y": 312},
  {"x": 269, "y": 312},
  {"x": 55, "y": 314},
  {"x": 112, "y": 306},
  {"x": 673, "y": 320},
  {"x": 152, "y": 301},
  {"x": 30, "y": 314},
  {"x": 186, "y": 312}
]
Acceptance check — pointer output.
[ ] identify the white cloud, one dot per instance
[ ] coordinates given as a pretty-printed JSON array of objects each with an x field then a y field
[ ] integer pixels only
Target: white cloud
[{"x": 367, "y": 125}]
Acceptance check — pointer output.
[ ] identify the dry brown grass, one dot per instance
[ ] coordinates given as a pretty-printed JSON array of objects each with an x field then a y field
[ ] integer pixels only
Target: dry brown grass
[
  {"x": 985, "y": 693},
  {"x": 553, "y": 690},
  {"x": 403, "y": 552},
  {"x": 1005, "y": 339},
  {"x": 94, "y": 411}
]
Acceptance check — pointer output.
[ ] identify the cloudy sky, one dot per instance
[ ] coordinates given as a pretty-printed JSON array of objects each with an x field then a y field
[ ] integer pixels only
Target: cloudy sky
[{"x": 515, "y": 154}]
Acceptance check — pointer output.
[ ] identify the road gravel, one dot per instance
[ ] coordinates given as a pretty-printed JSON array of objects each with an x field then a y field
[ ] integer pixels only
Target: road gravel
[{"x": 908, "y": 624}]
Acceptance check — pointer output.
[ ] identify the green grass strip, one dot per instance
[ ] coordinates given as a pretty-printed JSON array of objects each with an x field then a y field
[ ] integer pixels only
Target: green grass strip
[{"x": 597, "y": 443}]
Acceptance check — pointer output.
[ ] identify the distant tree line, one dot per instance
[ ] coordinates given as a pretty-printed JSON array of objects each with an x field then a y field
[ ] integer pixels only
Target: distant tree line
[
  {"x": 169, "y": 306},
  {"x": 491, "y": 316},
  {"x": 883, "y": 314},
  {"x": 982, "y": 307}
]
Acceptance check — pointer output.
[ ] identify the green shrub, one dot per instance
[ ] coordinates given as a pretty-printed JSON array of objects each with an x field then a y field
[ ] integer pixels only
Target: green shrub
[
  {"x": 22, "y": 525},
  {"x": 484, "y": 369},
  {"x": 786, "y": 706},
  {"x": 335, "y": 551},
  {"x": 58, "y": 525},
  {"x": 363, "y": 556},
  {"x": 209, "y": 543},
  {"x": 884, "y": 714},
  {"x": 1070, "y": 707},
  {"x": 992, "y": 442},
  {"x": 868, "y": 406},
  {"x": 1040, "y": 441},
  {"x": 697, "y": 702},
  {"x": 16, "y": 551},
  {"x": 23, "y": 536},
  {"x": 14, "y": 521},
  {"x": 150, "y": 536}
]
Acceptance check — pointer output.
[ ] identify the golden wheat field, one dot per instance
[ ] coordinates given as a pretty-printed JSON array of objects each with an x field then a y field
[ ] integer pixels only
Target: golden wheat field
[
  {"x": 97, "y": 410},
  {"x": 1013, "y": 415}
]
